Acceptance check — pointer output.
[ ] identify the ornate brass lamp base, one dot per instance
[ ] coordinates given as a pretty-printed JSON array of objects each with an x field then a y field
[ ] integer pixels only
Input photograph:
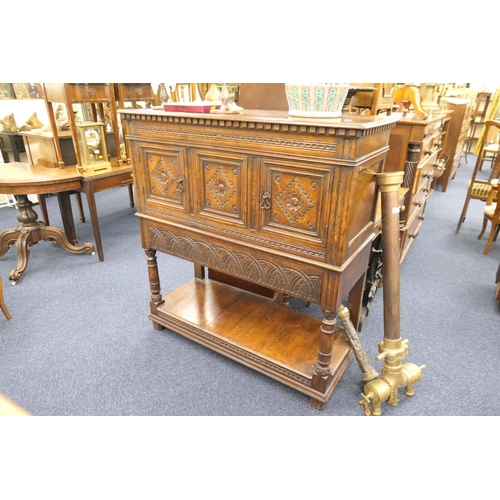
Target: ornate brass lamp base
[{"x": 394, "y": 375}]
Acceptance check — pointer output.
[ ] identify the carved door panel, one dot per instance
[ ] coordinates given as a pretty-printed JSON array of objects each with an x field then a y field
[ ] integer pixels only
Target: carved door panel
[
  {"x": 294, "y": 202},
  {"x": 166, "y": 183},
  {"x": 222, "y": 193}
]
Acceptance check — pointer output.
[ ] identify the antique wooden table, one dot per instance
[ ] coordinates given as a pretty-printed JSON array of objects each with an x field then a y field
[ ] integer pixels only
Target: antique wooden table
[
  {"x": 42, "y": 149},
  {"x": 92, "y": 183},
  {"x": 22, "y": 180},
  {"x": 263, "y": 202}
]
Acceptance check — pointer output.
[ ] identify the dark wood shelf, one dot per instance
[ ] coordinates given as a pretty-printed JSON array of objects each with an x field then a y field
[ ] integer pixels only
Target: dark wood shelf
[{"x": 256, "y": 331}]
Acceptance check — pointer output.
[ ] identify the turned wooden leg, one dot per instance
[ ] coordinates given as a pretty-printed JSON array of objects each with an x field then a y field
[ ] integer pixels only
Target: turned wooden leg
[
  {"x": 154, "y": 283},
  {"x": 323, "y": 373}
]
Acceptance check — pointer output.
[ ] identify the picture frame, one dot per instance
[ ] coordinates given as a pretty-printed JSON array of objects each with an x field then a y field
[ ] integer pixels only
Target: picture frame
[
  {"x": 7, "y": 91},
  {"x": 35, "y": 90},
  {"x": 21, "y": 90}
]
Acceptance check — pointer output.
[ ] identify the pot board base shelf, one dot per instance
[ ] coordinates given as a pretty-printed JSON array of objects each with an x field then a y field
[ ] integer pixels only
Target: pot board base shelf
[{"x": 254, "y": 330}]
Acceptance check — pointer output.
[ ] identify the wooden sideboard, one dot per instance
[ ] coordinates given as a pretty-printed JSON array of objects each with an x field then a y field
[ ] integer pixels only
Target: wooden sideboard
[
  {"x": 415, "y": 147},
  {"x": 270, "y": 202}
]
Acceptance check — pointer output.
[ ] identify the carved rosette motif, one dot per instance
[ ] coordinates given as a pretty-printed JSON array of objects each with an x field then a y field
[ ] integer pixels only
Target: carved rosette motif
[
  {"x": 221, "y": 187},
  {"x": 294, "y": 202},
  {"x": 262, "y": 271},
  {"x": 163, "y": 177}
]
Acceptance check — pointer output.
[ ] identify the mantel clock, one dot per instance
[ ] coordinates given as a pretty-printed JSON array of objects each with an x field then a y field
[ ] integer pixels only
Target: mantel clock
[{"x": 93, "y": 148}]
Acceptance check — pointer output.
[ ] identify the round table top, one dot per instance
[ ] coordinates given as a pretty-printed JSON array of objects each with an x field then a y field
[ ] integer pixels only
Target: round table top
[{"x": 22, "y": 178}]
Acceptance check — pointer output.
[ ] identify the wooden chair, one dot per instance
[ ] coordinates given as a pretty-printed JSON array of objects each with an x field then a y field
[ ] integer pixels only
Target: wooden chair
[
  {"x": 492, "y": 214},
  {"x": 380, "y": 101},
  {"x": 134, "y": 95},
  {"x": 490, "y": 154},
  {"x": 2, "y": 303},
  {"x": 479, "y": 189}
]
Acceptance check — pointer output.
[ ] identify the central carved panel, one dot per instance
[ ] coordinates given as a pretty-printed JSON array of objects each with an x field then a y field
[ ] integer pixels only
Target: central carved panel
[
  {"x": 221, "y": 187},
  {"x": 163, "y": 177},
  {"x": 222, "y": 195},
  {"x": 294, "y": 201}
]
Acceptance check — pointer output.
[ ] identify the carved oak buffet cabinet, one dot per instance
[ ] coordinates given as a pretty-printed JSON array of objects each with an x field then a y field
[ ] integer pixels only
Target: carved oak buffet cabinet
[{"x": 267, "y": 202}]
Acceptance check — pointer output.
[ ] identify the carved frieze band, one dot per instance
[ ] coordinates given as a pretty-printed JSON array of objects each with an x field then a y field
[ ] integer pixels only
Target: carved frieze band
[
  {"x": 265, "y": 272},
  {"x": 257, "y": 125},
  {"x": 254, "y": 139},
  {"x": 238, "y": 234}
]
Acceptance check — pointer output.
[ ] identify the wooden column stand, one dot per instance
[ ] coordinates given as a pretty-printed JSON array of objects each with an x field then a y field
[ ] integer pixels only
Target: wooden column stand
[
  {"x": 392, "y": 349},
  {"x": 389, "y": 183}
]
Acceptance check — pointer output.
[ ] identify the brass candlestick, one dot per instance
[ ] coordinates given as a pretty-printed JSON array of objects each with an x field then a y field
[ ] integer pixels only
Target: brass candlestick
[{"x": 392, "y": 349}]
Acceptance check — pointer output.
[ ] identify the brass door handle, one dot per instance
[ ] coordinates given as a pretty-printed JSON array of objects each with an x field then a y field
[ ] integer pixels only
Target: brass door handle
[{"x": 180, "y": 185}]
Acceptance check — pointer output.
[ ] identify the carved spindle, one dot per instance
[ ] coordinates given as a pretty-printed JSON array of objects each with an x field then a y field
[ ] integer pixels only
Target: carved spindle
[
  {"x": 328, "y": 323},
  {"x": 154, "y": 279}
]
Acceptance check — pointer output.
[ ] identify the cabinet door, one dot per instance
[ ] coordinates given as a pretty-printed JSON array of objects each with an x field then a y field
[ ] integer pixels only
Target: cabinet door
[
  {"x": 165, "y": 186},
  {"x": 294, "y": 201},
  {"x": 221, "y": 194}
]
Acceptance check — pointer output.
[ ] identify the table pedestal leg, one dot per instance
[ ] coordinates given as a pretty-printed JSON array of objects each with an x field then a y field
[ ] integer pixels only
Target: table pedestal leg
[{"x": 30, "y": 232}]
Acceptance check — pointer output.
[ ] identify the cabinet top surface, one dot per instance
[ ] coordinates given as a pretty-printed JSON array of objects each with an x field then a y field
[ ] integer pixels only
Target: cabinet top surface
[{"x": 272, "y": 117}]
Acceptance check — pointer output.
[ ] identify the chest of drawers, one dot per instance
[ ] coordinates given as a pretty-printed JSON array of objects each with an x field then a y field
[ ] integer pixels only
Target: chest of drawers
[
  {"x": 456, "y": 137},
  {"x": 270, "y": 203},
  {"x": 415, "y": 147}
]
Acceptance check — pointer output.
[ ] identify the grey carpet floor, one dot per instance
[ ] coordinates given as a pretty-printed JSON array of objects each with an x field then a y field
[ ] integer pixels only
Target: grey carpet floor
[{"x": 80, "y": 342}]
